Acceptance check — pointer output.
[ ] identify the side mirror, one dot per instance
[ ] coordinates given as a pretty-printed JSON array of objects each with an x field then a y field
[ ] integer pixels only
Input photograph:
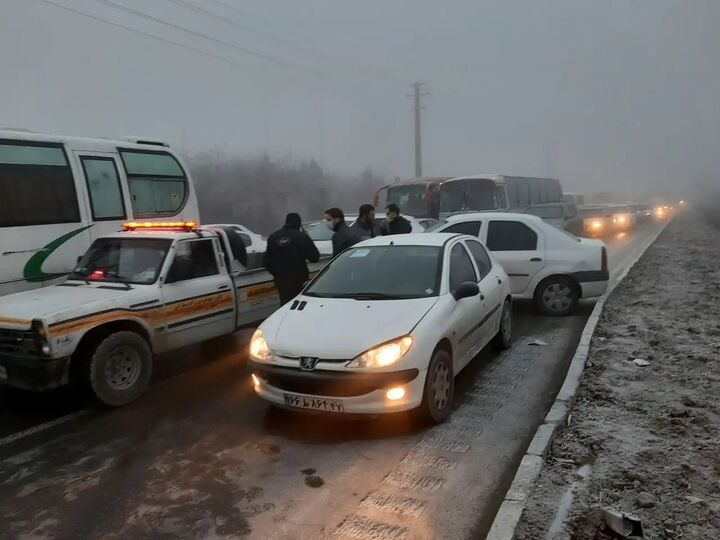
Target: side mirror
[{"x": 466, "y": 290}]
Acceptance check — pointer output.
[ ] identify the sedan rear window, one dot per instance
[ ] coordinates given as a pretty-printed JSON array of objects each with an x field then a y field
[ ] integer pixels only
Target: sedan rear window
[{"x": 381, "y": 273}]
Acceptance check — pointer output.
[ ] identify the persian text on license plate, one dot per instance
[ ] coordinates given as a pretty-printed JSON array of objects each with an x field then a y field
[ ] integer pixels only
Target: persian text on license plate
[{"x": 314, "y": 403}]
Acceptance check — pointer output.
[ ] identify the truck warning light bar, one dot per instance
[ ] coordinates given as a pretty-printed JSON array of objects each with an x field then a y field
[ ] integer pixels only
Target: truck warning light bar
[{"x": 181, "y": 225}]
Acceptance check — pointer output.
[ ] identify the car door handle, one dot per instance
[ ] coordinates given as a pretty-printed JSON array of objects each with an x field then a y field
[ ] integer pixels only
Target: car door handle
[
  {"x": 536, "y": 259},
  {"x": 222, "y": 287}
]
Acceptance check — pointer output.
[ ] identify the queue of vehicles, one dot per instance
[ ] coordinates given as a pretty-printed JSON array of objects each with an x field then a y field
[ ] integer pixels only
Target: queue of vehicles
[{"x": 110, "y": 228}]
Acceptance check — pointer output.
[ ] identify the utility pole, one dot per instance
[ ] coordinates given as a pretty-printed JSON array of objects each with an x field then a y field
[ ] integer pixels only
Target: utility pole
[{"x": 418, "y": 136}]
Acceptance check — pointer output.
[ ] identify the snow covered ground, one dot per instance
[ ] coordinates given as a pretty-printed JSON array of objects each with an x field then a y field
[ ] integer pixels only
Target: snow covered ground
[{"x": 644, "y": 433}]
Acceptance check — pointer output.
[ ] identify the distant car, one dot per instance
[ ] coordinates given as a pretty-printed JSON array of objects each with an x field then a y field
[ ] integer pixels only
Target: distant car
[
  {"x": 545, "y": 264},
  {"x": 624, "y": 217},
  {"x": 322, "y": 236},
  {"x": 563, "y": 215},
  {"x": 385, "y": 327},
  {"x": 597, "y": 220},
  {"x": 255, "y": 244}
]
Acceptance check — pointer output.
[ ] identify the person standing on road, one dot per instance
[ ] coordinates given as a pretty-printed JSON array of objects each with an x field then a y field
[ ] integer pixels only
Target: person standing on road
[
  {"x": 344, "y": 236},
  {"x": 365, "y": 224},
  {"x": 288, "y": 251},
  {"x": 395, "y": 223}
]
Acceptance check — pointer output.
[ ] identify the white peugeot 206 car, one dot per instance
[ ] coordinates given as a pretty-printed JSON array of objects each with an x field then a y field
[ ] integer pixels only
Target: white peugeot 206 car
[{"x": 385, "y": 327}]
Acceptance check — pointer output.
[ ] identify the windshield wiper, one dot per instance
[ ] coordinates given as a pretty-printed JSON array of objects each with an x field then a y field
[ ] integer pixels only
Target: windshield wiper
[{"x": 370, "y": 296}]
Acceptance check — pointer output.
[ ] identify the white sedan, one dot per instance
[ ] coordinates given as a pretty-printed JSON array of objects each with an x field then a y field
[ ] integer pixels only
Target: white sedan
[
  {"x": 385, "y": 327},
  {"x": 547, "y": 265}
]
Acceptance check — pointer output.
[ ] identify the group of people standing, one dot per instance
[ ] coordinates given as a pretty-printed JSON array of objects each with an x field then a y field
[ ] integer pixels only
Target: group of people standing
[{"x": 290, "y": 248}]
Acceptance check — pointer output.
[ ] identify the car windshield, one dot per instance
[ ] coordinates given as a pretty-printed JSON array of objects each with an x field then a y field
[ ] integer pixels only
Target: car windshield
[
  {"x": 381, "y": 273},
  {"x": 318, "y": 231},
  {"x": 122, "y": 260}
]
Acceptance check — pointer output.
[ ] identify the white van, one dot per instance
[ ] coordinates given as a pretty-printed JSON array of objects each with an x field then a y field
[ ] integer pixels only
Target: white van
[{"x": 58, "y": 194}]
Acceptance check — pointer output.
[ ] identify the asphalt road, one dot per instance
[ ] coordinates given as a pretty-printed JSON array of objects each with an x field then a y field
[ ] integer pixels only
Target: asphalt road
[{"x": 201, "y": 457}]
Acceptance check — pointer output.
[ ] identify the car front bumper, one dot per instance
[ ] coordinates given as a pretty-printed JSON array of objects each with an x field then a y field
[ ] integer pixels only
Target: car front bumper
[
  {"x": 359, "y": 393},
  {"x": 31, "y": 373}
]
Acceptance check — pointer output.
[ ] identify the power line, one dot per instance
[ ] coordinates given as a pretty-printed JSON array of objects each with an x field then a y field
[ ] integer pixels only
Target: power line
[
  {"x": 158, "y": 20},
  {"x": 378, "y": 74},
  {"x": 147, "y": 34},
  {"x": 233, "y": 22}
]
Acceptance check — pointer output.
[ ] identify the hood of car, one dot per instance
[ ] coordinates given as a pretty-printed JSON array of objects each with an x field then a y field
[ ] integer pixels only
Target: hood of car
[
  {"x": 341, "y": 328},
  {"x": 60, "y": 302}
]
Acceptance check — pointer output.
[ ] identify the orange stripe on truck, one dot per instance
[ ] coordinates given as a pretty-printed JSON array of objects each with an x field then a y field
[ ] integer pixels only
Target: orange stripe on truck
[{"x": 157, "y": 316}]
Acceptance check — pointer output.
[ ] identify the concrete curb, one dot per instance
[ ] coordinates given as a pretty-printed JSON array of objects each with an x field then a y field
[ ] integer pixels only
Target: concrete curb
[{"x": 508, "y": 516}]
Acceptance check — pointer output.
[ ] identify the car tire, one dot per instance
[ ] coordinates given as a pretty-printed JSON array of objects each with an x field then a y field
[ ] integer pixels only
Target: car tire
[
  {"x": 503, "y": 339},
  {"x": 118, "y": 369},
  {"x": 439, "y": 388},
  {"x": 557, "y": 296}
]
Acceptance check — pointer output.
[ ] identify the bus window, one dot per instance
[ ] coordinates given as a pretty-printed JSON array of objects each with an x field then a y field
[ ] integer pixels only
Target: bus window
[
  {"x": 36, "y": 185},
  {"x": 157, "y": 182},
  {"x": 103, "y": 183}
]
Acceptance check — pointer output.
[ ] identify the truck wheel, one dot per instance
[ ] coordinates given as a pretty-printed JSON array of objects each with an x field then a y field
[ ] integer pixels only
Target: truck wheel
[
  {"x": 503, "y": 338},
  {"x": 119, "y": 368},
  {"x": 439, "y": 388},
  {"x": 557, "y": 296}
]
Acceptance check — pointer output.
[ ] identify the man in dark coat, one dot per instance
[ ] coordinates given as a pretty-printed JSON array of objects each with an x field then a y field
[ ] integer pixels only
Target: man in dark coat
[
  {"x": 395, "y": 224},
  {"x": 344, "y": 236},
  {"x": 365, "y": 224},
  {"x": 288, "y": 251}
]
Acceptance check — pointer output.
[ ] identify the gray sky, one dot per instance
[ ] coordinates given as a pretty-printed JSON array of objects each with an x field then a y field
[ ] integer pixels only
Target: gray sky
[{"x": 600, "y": 93}]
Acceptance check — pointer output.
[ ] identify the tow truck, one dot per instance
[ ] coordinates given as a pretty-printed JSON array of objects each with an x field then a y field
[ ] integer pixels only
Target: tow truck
[{"x": 147, "y": 289}]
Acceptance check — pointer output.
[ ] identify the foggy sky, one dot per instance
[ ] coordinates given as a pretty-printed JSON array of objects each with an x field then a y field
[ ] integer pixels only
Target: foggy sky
[{"x": 602, "y": 94}]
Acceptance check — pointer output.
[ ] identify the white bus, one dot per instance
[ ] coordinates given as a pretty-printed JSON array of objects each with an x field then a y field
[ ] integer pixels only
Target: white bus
[{"x": 58, "y": 194}]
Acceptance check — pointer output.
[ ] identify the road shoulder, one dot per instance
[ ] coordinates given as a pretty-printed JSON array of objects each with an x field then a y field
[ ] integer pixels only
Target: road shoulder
[{"x": 642, "y": 438}]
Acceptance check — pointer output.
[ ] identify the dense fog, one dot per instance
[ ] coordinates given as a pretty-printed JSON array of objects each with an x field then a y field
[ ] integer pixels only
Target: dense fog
[{"x": 258, "y": 192}]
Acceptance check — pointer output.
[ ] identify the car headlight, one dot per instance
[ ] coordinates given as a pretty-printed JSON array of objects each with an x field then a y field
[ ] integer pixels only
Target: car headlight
[
  {"x": 383, "y": 355},
  {"x": 259, "y": 349}
]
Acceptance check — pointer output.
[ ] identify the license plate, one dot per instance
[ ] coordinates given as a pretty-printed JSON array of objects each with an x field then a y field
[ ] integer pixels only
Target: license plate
[
  {"x": 3, "y": 373},
  {"x": 314, "y": 403}
]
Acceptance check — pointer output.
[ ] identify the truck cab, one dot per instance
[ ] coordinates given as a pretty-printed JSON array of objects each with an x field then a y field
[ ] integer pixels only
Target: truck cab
[{"x": 148, "y": 289}]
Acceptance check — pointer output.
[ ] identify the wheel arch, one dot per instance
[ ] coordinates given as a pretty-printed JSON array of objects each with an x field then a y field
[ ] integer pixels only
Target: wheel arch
[
  {"x": 97, "y": 333},
  {"x": 558, "y": 275}
]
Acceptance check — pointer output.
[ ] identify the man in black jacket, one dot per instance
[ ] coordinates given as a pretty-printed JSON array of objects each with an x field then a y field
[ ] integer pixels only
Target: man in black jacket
[
  {"x": 344, "y": 236},
  {"x": 365, "y": 224},
  {"x": 396, "y": 224},
  {"x": 285, "y": 258}
]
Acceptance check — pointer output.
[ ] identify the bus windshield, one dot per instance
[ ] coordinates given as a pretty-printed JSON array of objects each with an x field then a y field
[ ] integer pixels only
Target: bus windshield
[
  {"x": 122, "y": 260},
  {"x": 468, "y": 195},
  {"x": 411, "y": 199}
]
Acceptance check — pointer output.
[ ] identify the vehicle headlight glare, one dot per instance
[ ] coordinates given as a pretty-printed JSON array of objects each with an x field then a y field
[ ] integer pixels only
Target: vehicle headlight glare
[
  {"x": 259, "y": 349},
  {"x": 383, "y": 355}
]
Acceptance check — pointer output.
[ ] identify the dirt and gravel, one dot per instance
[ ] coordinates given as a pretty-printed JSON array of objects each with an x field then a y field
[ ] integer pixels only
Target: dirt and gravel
[{"x": 644, "y": 434}]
